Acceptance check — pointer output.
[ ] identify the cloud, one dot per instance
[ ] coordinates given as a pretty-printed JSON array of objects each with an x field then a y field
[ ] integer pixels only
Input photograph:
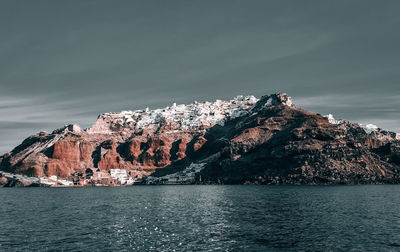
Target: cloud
[
  {"x": 68, "y": 62},
  {"x": 383, "y": 111}
]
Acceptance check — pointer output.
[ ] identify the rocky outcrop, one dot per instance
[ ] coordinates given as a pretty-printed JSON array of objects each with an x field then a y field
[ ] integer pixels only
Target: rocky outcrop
[
  {"x": 11, "y": 180},
  {"x": 3, "y": 181},
  {"x": 243, "y": 140},
  {"x": 283, "y": 144}
]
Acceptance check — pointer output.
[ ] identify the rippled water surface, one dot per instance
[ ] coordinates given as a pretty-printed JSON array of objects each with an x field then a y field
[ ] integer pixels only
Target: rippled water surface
[{"x": 167, "y": 218}]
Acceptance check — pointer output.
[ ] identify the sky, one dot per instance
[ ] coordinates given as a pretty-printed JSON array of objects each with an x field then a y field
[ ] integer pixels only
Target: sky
[{"x": 65, "y": 62}]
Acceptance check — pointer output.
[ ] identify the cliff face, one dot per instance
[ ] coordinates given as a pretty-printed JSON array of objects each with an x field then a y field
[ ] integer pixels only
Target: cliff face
[
  {"x": 235, "y": 141},
  {"x": 289, "y": 145}
]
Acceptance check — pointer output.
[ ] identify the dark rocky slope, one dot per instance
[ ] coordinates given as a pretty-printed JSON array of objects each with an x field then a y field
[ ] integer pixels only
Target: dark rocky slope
[{"x": 288, "y": 145}]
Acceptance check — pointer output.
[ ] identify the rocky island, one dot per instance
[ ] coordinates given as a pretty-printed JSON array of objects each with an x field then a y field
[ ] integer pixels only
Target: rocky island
[{"x": 242, "y": 140}]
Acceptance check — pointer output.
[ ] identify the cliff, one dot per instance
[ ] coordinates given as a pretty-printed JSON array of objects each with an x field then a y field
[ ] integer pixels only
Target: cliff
[{"x": 243, "y": 140}]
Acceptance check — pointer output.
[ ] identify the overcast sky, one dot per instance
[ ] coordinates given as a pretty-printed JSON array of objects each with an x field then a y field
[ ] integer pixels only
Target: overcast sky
[{"x": 66, "y": 62}]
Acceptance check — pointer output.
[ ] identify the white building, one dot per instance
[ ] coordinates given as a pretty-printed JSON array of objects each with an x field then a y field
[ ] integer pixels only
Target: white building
[{"x": 120, "y": 175}]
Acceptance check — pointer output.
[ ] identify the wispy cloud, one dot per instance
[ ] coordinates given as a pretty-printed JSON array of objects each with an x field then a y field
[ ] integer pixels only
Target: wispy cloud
[
  {"x": 383, "y": 111},
  {"x": 70, "y": 61}
]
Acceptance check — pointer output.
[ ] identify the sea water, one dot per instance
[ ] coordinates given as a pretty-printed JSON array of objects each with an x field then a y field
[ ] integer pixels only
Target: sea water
[{"x": 201, "y": 218}]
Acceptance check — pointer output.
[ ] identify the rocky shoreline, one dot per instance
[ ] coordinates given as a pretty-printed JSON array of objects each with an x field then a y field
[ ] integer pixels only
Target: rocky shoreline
[{"x": 13, "y": 180}]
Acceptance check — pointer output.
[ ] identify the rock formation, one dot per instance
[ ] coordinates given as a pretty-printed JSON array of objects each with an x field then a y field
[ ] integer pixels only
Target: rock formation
[{"x": 243, "y": 140}]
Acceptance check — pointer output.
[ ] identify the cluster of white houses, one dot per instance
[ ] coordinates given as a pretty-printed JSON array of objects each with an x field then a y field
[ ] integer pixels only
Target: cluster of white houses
[
  {"x": 97, "y": 177},
  {"x": 113, "y": 177},
  {"x": 191, "y": 116}
]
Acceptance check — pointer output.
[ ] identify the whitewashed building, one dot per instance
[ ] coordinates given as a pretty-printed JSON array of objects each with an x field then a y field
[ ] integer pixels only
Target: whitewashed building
[{"x": 120, "y": 175}]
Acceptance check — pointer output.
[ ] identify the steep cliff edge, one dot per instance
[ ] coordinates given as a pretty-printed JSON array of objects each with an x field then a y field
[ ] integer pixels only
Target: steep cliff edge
[
  {"x": 245, "y": 139},
  {"x": 283, "y": 144}
]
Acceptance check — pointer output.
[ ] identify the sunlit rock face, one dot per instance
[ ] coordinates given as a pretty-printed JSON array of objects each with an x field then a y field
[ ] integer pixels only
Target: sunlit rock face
[
  {"x": 140, "y": 140},
  {"x": 245, "y": 139}
]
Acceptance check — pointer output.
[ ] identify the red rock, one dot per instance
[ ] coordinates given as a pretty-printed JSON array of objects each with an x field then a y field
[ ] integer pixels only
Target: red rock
[
  {"x": 110, "y": 159},
  {"x": 67, "y": 150},
  {"x": 200, "y": 141},
  {"x": 3, "y": 181}
]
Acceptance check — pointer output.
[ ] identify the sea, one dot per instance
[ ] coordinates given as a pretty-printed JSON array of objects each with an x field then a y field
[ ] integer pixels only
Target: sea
[{"x": 201, "y": 218}]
